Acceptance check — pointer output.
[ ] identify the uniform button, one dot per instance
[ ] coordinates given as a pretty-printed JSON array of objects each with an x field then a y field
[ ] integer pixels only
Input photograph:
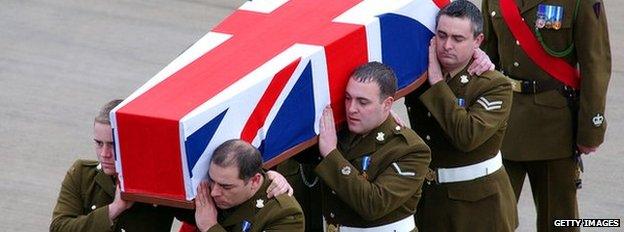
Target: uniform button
[
  {"x": 493, "y": 13},
  {"x": 516, "y": 64},
  {"x": 522, "y": 19},
  {"x": 517, "y": 42},
  {"x": 428, "y": 137},
  {"x": 409, "y": 108},
  {"x": 93, "y": 207},
  {"x": 333, "y": 192},
  {"x": 154, "y": 205},
  {"x": 123, "y": 230},
  {"x": 331, "y": 215},
  {"x": 429, "y": 114}
]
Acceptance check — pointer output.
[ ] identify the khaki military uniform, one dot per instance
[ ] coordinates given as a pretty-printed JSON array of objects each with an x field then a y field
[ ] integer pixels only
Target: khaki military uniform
[
  {"x": 280, "y": 213},
  {"x": 540, "y": 139},
  {"x": 388, "y": 191},
  {"x": 463, "y": 120},
  {"x": 82, "y": 205},
  {"x": 299, "y": 172}
]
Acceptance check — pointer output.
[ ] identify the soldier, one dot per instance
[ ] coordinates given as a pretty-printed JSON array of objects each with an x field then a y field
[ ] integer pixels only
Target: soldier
[
  {"x": 89, "y": 199},
  {"x": 237, "y": 187},
  {"x": 371, "y": 173},
  {"x": 557, "y": 114},
  {"x": 463, "y": 118}
]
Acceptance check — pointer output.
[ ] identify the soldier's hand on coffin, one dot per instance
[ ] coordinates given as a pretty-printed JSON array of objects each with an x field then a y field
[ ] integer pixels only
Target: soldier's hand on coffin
[
  {"x": 434, "y": 72},
  {"x": 327, "y": 132},
  {"x": 397, "y": 119},
  {"x": 118, "y": 206},
  {"x": 205, "y": 209},
  {"x": 586, "y": 150},
  {"x": 278, "y": 186},
  {"x": 481, "y": 63}
]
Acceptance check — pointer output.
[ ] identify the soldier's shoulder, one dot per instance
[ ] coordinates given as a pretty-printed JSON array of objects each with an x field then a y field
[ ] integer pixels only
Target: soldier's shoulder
[
  {"x": 84, "y": 165},
  {"x": 409, "y": 136},
  {"x": 287, "y": 202},
  {"x": 493, "y": 77}
]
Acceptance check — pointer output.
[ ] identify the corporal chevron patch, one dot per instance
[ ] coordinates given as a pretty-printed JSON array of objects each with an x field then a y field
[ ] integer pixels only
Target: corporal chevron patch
[
  {"x": 402, "y": 173},
  {"x": 494, "y": 105}
]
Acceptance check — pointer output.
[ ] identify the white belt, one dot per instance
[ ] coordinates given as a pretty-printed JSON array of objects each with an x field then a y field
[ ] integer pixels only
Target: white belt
[
  {"x": 404, "y": 225},
  {"x": 470, "y": 172}
]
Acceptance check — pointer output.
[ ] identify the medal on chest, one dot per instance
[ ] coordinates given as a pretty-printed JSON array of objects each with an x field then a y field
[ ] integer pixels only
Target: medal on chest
[
  {"x": 549, "y": 17},
  {"x": 365, "y": 163}
]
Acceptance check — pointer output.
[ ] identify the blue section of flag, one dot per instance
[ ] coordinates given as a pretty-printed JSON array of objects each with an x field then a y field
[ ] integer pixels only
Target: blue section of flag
[
  {"x": 407, "y": 54},
  {"x": 294, "y": 122},
  {"x": 197, "y": 142}
]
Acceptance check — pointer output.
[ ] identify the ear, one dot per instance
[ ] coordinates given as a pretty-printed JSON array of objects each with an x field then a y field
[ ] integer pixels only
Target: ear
[
  {"x": 387, "y": 103},
  {"x": 256, "y": 181},
  {"x": 478, "y": 40}
]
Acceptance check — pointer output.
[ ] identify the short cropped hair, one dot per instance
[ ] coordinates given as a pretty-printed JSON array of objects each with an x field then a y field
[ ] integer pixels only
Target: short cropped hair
[
  {"x": 240, "y": 153},
  {"x": 464, "y": 9},
  {"x": 103, "y": 116},
  {"x": 379, "y": 73}
]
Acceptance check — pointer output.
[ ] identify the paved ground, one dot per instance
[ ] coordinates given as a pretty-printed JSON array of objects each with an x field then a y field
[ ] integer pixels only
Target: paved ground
[{"x": 60, "y": 60}]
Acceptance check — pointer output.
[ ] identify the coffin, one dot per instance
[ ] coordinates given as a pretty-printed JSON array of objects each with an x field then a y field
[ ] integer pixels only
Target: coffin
[{"x": 264, "y": 75}]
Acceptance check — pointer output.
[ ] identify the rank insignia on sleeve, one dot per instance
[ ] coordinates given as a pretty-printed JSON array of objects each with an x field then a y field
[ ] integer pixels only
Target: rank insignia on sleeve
[
  {"x": 490, "y": 105},
  {"x": 346, "y": 170},
  {"x": 400, "y": 172},
  {"x": 598, "y": 120}
]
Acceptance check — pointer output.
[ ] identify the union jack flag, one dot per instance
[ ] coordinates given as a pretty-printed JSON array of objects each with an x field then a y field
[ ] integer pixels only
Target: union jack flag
[{"x": 263, "y": 75}]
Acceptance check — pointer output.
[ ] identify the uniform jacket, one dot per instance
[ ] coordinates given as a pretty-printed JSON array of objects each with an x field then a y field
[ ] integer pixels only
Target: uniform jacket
[
  {"x": 83, "y": 201},
  {"x": 462, "y": 135},
  {"x": 390, "y": 189},
  {"x": 540, "y": 125},
  {"x": 280, "y": 213}
]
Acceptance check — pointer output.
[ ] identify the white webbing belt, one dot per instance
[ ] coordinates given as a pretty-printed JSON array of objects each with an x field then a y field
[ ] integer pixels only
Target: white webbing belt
[
  {"x": 470, "y": 172},
  {"x": 404, "y": 225}
]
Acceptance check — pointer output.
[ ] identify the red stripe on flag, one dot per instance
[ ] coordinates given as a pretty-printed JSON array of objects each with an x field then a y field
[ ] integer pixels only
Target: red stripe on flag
[
  {"x": 166, "y": 180},
  {"x": 343, "y": 56},
  {"x": 267, "y": 101},
  {"x": 441, "y": 3}
]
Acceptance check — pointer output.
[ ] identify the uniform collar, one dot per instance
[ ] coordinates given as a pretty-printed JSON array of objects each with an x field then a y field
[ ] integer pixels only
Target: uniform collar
[
  {"x": 105, "y": 182},
  {"x": 457, "y": 78},
  {"x": 247, "y": 210},
  {"x": 374, "y": 139}
]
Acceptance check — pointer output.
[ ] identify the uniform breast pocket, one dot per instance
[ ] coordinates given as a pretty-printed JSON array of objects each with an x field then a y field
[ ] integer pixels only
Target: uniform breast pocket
[{"x": 554, "y": 21}]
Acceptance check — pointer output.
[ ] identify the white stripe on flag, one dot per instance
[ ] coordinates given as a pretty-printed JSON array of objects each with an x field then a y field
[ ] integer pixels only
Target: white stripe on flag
[
  {"x": 262, "y": 6},
  {"x": 240, "y": 99}
]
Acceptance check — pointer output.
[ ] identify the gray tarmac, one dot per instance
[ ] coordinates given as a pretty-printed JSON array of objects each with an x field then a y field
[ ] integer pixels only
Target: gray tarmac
[{"x": 60, "y": 60}]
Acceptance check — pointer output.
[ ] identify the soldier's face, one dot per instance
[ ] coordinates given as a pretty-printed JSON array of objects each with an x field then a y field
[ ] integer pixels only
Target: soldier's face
[
  {"x": 365, "y": 110},
  {"x": 455, "y": 42},
  {"x": 103, "y": 142},
  {"x": 227, "y": 189}
]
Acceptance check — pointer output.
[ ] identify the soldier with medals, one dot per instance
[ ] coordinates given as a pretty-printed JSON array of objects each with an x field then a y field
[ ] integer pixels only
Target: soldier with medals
[
  {"x": 463, "y": 118},
  {"x": 235, "y": 198},
  {"x": 371, "y": 172},
  {"x": 560, "y": 73}
]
